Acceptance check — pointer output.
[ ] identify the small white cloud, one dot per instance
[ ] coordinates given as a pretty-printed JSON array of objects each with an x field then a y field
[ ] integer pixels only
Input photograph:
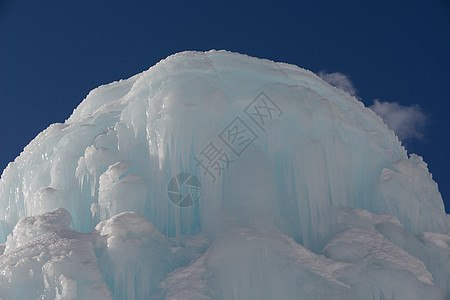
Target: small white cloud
[
  {"x": 339, "y": 80},
  {"x": 407, "y": 122}
]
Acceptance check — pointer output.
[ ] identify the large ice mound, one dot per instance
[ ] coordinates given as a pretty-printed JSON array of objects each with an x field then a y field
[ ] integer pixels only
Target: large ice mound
[{"x": 221, "y": 176}]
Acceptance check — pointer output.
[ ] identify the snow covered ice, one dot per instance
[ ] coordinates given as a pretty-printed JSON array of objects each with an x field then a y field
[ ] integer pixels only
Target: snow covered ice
[{"x": 294, "y": 190}]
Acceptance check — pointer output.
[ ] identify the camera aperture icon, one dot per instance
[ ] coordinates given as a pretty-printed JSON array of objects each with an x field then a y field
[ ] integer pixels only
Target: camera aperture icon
[{"x": 184, "y": 189}]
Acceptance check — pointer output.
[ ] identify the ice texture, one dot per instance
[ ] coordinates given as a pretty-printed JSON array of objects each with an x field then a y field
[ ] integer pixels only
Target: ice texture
[{"x": 305, "y": 193}]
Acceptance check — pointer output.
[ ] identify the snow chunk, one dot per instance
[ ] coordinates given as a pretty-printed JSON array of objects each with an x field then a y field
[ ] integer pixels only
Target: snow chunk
[
  {"x": 356, "y": 244},
  {"x": 46, "y": 259},
  {"x": 133, "y": 256},
  {"x": 440, "y": 240},
  {"x": 244, "y": 263},
  {"x": 30, "y": 228}
]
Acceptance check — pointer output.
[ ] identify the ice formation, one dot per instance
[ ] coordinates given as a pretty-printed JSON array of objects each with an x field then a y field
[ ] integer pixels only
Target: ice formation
[{"x": 294, "y": 190}]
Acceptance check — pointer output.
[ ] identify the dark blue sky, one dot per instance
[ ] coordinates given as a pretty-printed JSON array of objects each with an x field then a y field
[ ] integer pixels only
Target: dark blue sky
[{"x": 52, "y": 53}]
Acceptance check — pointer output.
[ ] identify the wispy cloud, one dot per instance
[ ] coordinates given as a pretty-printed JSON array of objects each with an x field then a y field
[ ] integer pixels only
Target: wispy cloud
[
  {"x": 408, "y": 122},
  {"x": 339, "y": 80}
]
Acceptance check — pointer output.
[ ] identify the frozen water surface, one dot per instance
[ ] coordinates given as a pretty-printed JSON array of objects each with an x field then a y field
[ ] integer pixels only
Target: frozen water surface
[{"x": 281, "y": 187}]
